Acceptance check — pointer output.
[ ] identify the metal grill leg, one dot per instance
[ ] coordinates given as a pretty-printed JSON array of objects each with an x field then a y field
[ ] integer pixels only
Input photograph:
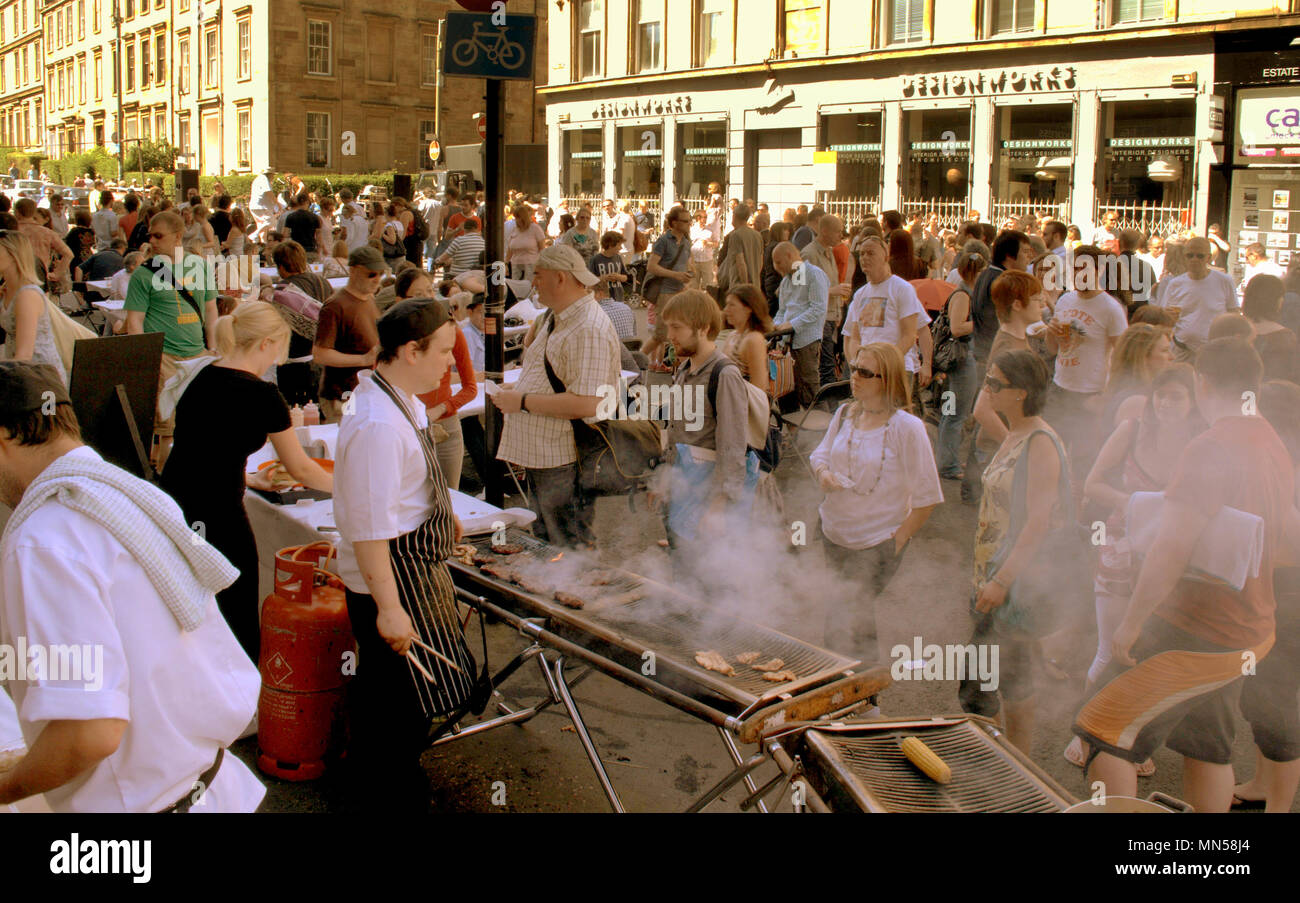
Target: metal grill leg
[
  {"x": 561, "y": 689},
  {"x": 738, "y": 760}
]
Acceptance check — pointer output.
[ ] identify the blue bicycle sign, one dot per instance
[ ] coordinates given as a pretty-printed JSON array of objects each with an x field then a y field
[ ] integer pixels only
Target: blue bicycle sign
[{"x": 476, "y": 46}]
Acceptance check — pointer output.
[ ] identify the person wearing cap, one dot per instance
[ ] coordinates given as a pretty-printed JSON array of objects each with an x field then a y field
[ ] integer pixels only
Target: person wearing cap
[
  {"x": 96, "y": 559},
  {"x": 183, "y": 309},
  {"x": 346, "y": 341},
  {"x": 577, "y": 340},
  {"x": 395, "y": 520}
]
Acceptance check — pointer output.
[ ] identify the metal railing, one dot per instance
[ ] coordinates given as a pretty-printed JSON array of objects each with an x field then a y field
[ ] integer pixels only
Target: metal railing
[
  {"x": 1148, "y": 218},
  {"x": 850, "y": 210},
  {"x": 1005, "y": 210},
  {"x": 654, "y": 202},
  {"x": 577, "y": 201},
  {"x": 952, "y": 212},
  {"x": 694, "y": 203}
]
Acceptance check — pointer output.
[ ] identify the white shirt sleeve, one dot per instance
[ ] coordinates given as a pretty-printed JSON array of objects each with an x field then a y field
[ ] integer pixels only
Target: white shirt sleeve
[
  {"x": 918, "y": 464},
  {"x": 822, "y": 453},
  {"x": 56, "y": 600},
  {"x": 368, "y": 488}
]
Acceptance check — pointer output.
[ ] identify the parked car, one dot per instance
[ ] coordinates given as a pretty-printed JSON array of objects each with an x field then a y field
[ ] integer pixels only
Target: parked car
[
  {"x": 26, "y": 188},
  {"x": 77, "y": 198}
]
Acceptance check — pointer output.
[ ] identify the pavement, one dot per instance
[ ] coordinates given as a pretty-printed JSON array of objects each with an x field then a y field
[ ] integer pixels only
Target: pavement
[{"x": 661, "y": 760}]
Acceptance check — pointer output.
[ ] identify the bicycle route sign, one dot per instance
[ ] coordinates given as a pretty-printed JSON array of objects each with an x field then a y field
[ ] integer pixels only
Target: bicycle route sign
[{"x": 478, "y": 45}]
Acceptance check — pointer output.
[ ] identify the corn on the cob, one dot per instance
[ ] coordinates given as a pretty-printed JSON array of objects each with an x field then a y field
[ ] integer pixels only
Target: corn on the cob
[{"x": 926, "y": 759}]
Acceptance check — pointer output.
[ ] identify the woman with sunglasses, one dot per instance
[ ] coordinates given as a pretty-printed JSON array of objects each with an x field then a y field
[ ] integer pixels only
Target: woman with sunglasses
[
  {"x": 877, "y": 469},
  {"x": 1016, "y": 388}
]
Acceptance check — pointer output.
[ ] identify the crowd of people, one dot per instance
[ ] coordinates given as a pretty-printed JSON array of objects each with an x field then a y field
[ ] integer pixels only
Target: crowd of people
[{"x": 1125, "y": 382}]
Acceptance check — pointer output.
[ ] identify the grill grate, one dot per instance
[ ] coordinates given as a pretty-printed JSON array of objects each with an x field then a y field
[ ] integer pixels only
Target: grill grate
[
  {"x": 677, "y": 633},
  {"x": 668, "y": 625},
  {"x": 984, "y": 779}
]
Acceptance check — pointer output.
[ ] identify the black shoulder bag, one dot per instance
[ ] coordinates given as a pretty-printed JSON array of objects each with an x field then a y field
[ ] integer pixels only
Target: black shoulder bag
[
  {"x": 615, "y": 457},
  {"x": 159, "y": 268}
]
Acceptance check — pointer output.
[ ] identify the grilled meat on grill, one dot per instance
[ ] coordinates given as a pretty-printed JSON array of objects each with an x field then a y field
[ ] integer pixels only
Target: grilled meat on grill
[
  {"x": 780, "y": 677},
  {"x": 748, "y": 658},
  {"x": 603, "y": 577},
  {"x": 503, "y": 571},
  {"x": 569, "y": 599},
  {"x": 714, "y": 661},
  {"x": 507, "y": 548},
  {"x": 482, "y": 558},
  {"x": 775, "y": 664}
]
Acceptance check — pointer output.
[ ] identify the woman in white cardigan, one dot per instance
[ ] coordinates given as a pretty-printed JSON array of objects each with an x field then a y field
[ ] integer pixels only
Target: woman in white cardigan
[{"x": 876, "y": 466}]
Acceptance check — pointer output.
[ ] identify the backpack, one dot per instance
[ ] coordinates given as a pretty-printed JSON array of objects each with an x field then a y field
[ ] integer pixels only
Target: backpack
[
  {"x": 949, "y": 351},
  {"x": 392, "y": 249},
  {"x": 760, "y": 434},
  {"x": 421, "y": 227}
]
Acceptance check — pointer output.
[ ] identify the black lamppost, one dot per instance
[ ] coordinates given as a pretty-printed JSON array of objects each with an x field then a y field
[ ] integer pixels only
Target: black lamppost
[{"x": 117, "y": 75}]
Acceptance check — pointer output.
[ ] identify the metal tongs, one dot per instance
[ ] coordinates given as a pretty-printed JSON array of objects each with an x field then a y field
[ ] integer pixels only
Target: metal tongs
[{"x": 435, "y": 653}]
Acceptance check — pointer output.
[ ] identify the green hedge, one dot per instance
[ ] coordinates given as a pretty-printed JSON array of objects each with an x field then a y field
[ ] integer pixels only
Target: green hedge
[{"x": 104, "y": 164}]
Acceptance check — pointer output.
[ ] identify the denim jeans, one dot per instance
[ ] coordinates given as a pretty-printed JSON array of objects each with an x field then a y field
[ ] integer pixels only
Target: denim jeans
[{"x": 962, "y": 383}]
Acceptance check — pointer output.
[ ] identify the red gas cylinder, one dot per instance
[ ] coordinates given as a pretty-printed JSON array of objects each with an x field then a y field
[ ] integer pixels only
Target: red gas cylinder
[{"x": 306, "y": 635}]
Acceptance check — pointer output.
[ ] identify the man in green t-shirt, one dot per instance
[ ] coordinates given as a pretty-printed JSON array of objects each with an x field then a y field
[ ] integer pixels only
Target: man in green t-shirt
[{"x": 154, "y": 303}]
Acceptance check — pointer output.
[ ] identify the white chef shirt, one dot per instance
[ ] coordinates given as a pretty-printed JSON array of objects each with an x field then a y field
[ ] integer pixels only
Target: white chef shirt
[
  {"x": 882, "y": 306},
  {"x": 1081, "y": 363},
  {"x": 66, "y": 580},
  {"x": 381, "y": 479},
  {"x": 860, "y": 516},
  {"x": 1201, "y": 301}
]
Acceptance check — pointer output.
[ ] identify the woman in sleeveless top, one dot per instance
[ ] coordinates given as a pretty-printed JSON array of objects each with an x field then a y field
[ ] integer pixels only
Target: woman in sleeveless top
[
  {"x": 746, "y": 314},
  {"x": 1138, "y": 457},
  {"x": 1016, "y": 385},
  {"x": 24, "y": 314}
]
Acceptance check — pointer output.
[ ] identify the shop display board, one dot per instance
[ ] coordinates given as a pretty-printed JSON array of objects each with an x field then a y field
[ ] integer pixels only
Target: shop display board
[{"x": 1265, "y": 209}]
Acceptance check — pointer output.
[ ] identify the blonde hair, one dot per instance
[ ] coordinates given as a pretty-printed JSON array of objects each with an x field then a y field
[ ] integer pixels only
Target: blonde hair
[
  {"x": 889, "y": 364},
  {"x": 16, "y": 245},
  {"x": 1131, "y": 360},
  {"x": 248, "y": 326},
  {"x": 340, "y": 249},
  {"x": 696, "y": 309}
]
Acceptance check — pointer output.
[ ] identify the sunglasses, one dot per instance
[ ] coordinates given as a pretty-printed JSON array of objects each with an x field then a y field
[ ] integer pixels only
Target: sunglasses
[
  {"x": 866, "y": 374},
  {"x": 996, "y": 385}
]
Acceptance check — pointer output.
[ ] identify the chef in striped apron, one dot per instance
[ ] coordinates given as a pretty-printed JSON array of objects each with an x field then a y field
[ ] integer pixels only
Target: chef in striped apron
[{"x": 395, "y": 518}]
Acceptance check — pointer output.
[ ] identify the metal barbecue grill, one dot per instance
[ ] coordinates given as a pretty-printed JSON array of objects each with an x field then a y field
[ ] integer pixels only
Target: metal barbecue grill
[
  {"x": 857, "y": 766},
  {"x": 667, "y": 629}
]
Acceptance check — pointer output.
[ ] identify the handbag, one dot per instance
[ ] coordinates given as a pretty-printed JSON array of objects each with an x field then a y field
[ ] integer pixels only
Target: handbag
[
  {"x": 615, "y": 457},
  {"x": 1058, "y": 582},
  {"x": 760, "y": 434},
  {"x": 654, "y": 285},
  {"x": 780, "y": 372},
  {"x": 950, "y": 352},
  {"x": 66, "y": 332}
]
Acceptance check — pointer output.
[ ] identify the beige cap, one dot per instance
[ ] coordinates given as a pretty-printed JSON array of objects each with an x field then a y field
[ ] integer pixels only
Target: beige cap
[{"x": 567, "y": 260}]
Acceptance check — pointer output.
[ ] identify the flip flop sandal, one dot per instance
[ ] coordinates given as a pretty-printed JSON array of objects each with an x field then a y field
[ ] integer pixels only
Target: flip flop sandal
[
  {"x": 1074, "y": 753},
  {"x": 1146, "y": 769}
]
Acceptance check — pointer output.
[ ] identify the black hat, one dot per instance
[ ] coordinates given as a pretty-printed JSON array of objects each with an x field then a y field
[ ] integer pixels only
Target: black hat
[
  {"x": 410, "y": 321},
  {"x": 27, "y": 387}
]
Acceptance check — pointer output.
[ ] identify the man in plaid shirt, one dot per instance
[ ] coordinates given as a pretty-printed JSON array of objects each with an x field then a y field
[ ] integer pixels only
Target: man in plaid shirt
[{"x": 579, "y": 341}]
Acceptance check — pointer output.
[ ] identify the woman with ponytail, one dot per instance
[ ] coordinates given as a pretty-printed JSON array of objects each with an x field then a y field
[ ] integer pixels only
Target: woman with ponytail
[{"x": 226, "y": 413}]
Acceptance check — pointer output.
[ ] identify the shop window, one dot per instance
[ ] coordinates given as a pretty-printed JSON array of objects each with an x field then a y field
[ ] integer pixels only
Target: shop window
[
  {"x": 856, "y": 139},
  {"x": 583, "y": 163},
  {"x": 1033, "y": 162},
  {"x": 803, "y": 27},
  {"x": 640, "y": 159},
  {"x": 649, "y": 35},
  {"x": 1148, "y": 163},
  {"x": 936, "y": 163},
  {"x": 701, "y": 160}
]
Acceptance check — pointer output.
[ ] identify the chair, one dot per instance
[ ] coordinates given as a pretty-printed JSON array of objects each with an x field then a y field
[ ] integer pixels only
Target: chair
[{"x": 816, "y": 418}]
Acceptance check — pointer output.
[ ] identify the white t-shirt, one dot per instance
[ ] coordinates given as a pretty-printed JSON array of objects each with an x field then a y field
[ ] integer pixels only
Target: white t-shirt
[
  {"x": 104, "y": 222},
  {"x": 184, "y": 694},
  {"x": 381, "y": 480},
  {"x": 700, "y": 252},
  {"x": 1201, "y": 301},
  {"x": 859, "y": 517},
  {"x": 1081, "y": 362},
  {"x": 876, "y": 309}
]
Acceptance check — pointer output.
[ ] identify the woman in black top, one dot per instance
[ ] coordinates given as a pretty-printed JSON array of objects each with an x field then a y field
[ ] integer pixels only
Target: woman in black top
[
  {"x": 226, "y": 413},
  {"x": 298, "y": 381},
  {"x": 770, "y": 278}
]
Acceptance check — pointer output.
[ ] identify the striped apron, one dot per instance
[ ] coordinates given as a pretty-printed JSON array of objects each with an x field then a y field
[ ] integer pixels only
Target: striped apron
[{"x": 425, "y": 589}]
